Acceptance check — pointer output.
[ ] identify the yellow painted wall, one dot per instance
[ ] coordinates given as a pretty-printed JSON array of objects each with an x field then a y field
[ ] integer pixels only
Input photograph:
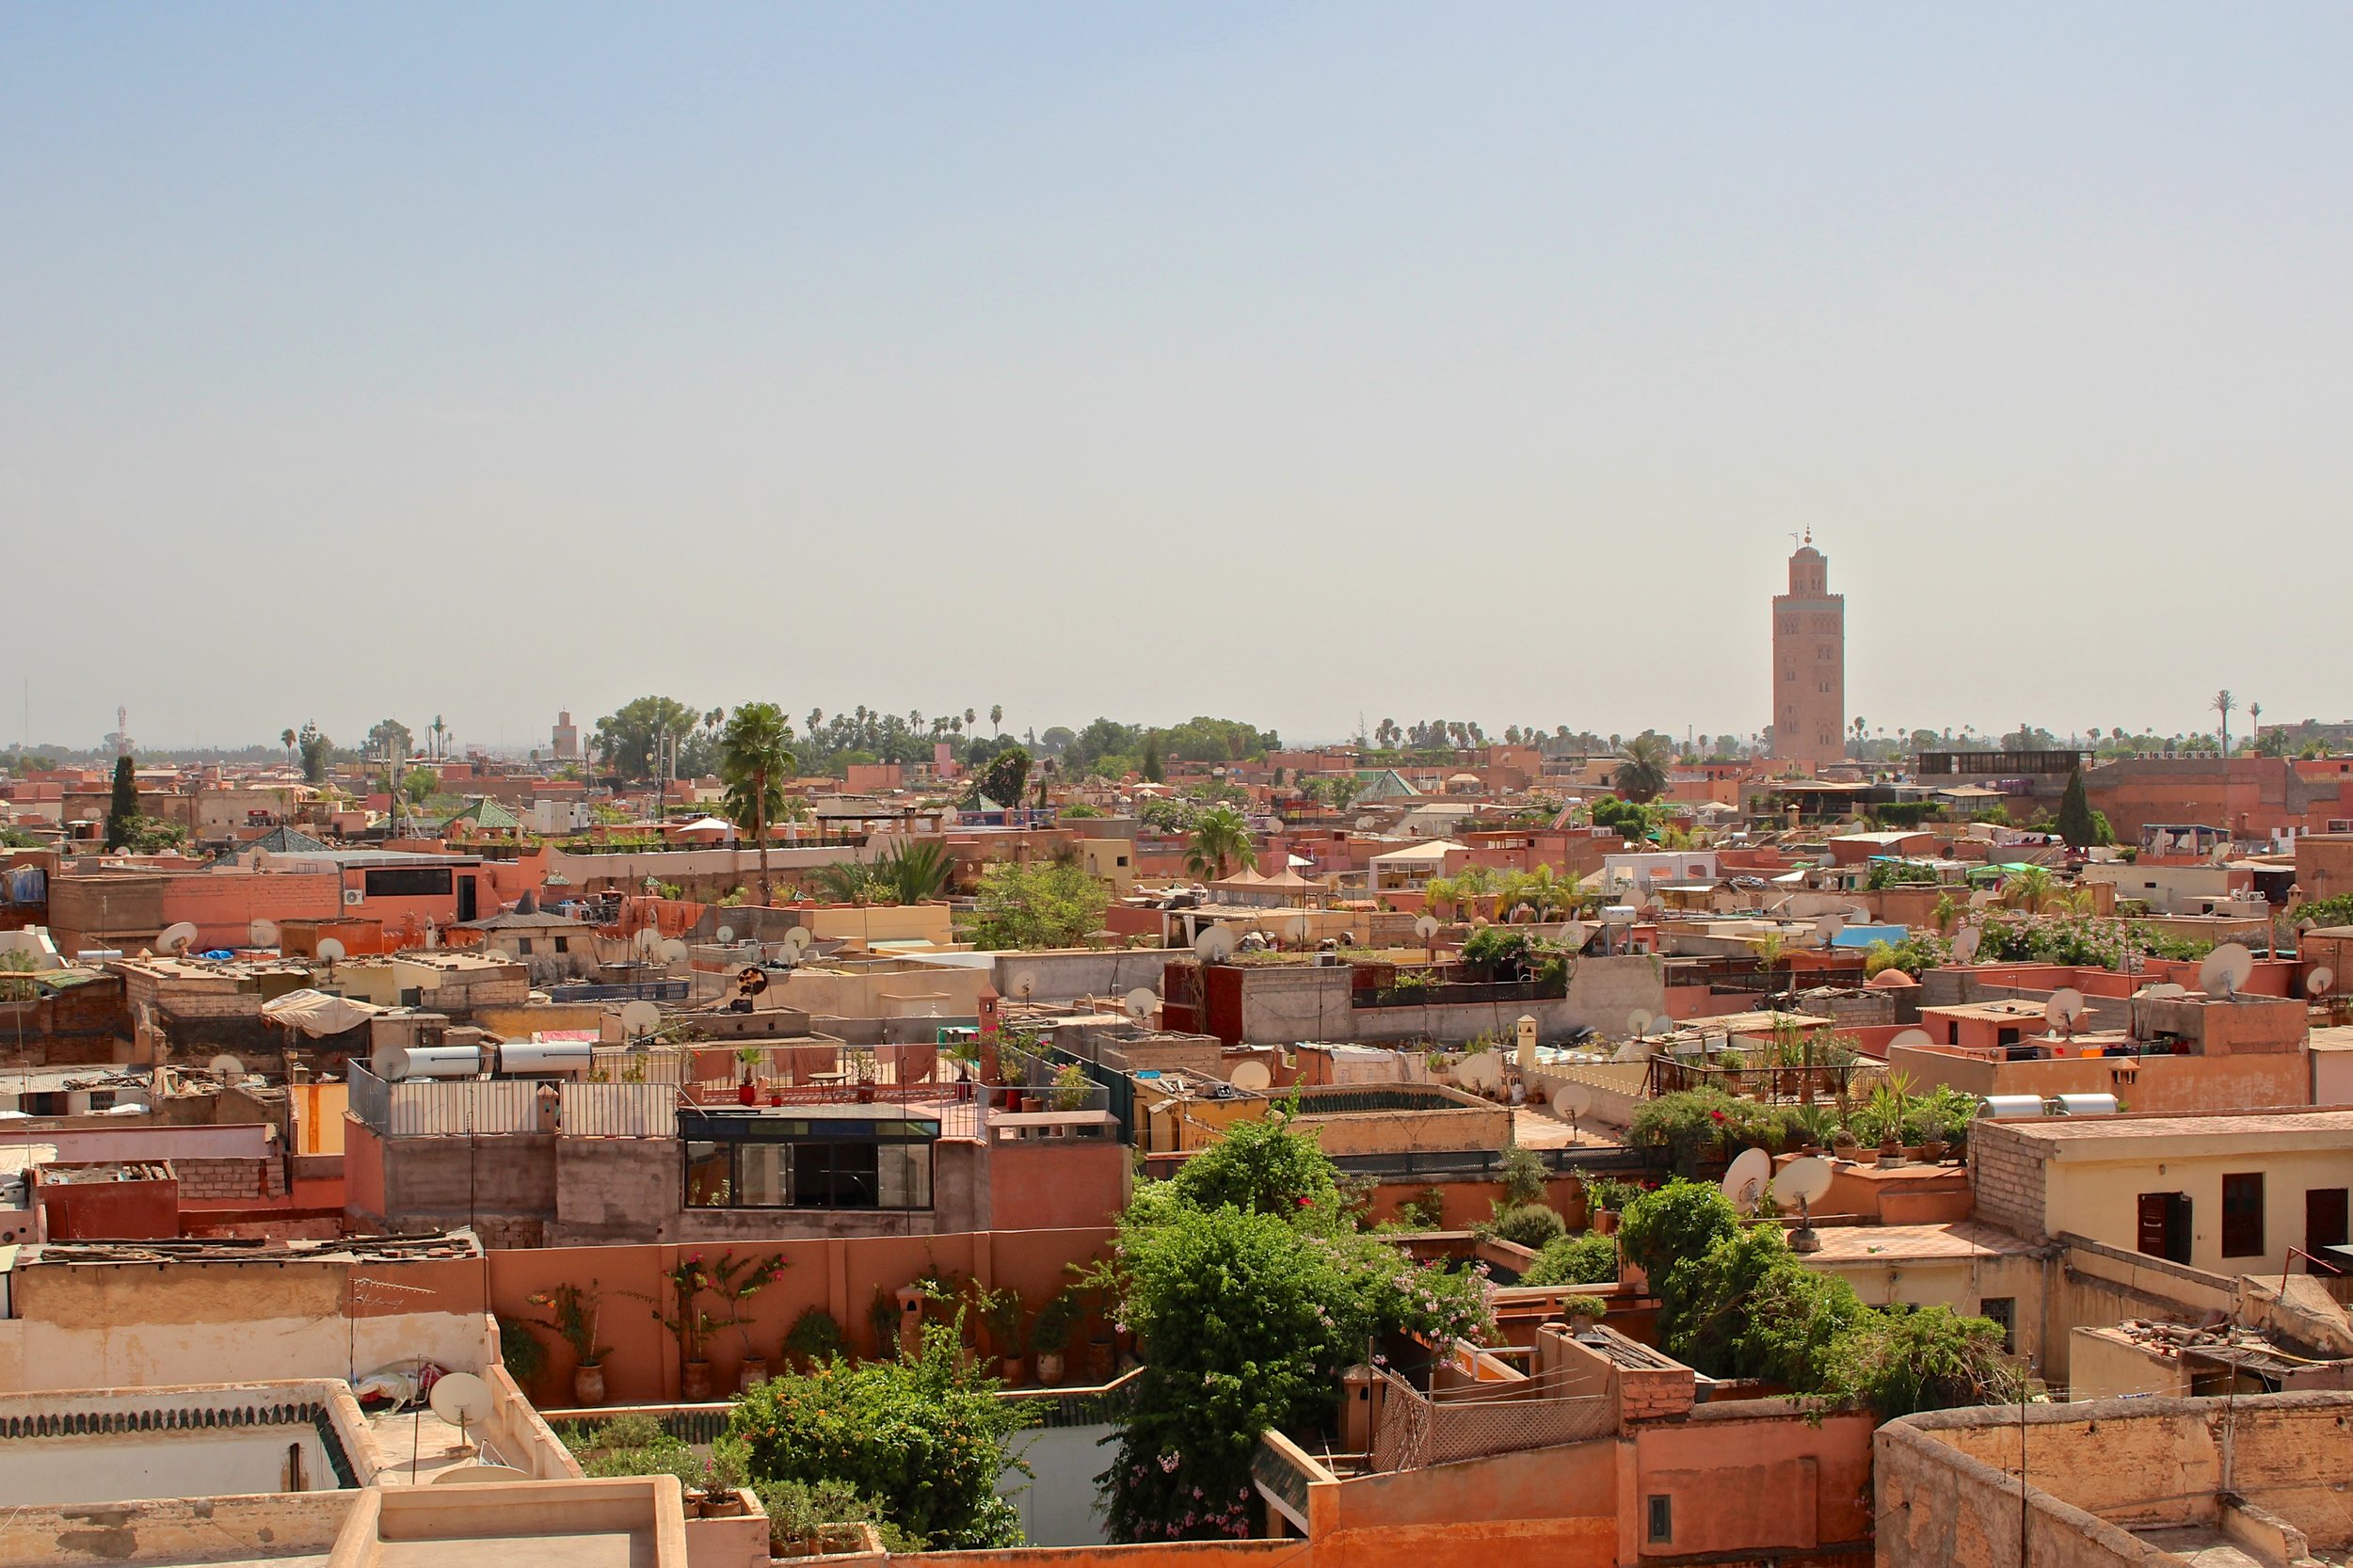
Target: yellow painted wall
[
  {"x": 2101, "y": 1198},
  {"x": 914, "y": 922}
]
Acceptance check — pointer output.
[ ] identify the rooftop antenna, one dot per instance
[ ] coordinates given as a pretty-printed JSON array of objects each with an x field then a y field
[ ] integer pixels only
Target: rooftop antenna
[
  {"x": 1577, "y": 1099},
  {"x": 175, "y": 938},
  {"x": 463, "y": 1401},
  {"x": 1139, "y": 1003},
  {"x": 639, "y": 1019},
  {"x": 1802, "y": 1183},
  {"x": 2064, "y": 1008},
  {"x": 2318, "y": 982}
]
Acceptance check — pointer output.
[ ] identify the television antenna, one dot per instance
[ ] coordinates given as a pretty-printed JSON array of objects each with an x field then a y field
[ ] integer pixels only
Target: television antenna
[
  {"x": 175, "y": 938},
  {"x": 463, "y": 1401},
  {"x": 264, "y": 934},
  {"x": 1802, "y": 1183},
  {"x": 2226, "y": 970},
  {"x": 1748, "y": 1180},
  {"x": 1139, "y": 1003}
]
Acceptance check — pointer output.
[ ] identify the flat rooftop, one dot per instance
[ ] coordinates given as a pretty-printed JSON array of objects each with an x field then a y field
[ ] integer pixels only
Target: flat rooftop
[
  {"x": 2226, "y": 1128},
  {"x": 1962, "y": 1239}
]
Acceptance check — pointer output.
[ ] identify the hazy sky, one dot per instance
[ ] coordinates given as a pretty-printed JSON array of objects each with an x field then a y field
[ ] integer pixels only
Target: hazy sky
[{"x": 1284, "y": 362}]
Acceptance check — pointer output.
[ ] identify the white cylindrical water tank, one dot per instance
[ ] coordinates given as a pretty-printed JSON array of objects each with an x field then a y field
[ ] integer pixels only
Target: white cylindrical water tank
[
  {"x": 2010, "y": 1108},
  {"x": 2083, "y": 1105},
  {"x": 436, "y": 1061},
  {"x": 546, "y": 1058}
]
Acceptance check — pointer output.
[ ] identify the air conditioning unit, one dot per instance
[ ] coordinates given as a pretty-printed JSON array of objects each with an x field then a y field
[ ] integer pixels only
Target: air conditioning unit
[{"x": 353, "y": 895}]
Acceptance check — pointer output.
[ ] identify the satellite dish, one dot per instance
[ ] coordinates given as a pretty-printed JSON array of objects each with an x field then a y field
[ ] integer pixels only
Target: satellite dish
[
  {"x": 2221, "y": 854},
  {"x": 1802, "y": 1181},
  {"x": 2318, "y": 982},
  {"x": 1965, "y": 943},
  {"x": 1215, "y": 945},
  {"x": 262, "y": 933},
  {"x": 476, "y": 1474},
  {"x": 1482, "y": 1071},
  {"x": 1982, "y": 899},
  {"x": 797, "y": 941},
  {"x": 1638, "y": 1022},
  {"x": 673, "y": 951},
  {"x": 2167, "y": 990},
  {"x": 1913, "y": 1039},
  {"x": 751, "y": 980},
  {"x": 1139, "y": 1003},
  {"x": 463, "y": 1401},
  {"x": 175, "y": 937},
  {"x": 1575, "y": 1098},
  {"x": 1251, "y": 1075},
  {"x": 2226, "y": 970},
  {"x": 330, "y": 950},
  {"x": 227, "y": 1066},
  {"x": 648, "y": 941},
  {"x": 1827, "y": 927},
  {"x": 1752, "y": 1172},
  {"x": 640, "y": 1018},
  {"x": 1426, "y": 927},
  {"x": 1022, "y": 984},
  {"x": 725, "y": 935}
]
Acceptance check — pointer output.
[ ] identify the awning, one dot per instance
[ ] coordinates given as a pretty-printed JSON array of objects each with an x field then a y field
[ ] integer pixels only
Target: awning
[{"x": 318, "y": 1014}]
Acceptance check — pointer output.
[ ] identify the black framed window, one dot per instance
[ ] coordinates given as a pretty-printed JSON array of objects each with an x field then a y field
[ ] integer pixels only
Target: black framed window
[
  {"x": 2243, "y": 1214},
  {"x": 408, "y": 882},
  {"x": 792, "y": 1163}
]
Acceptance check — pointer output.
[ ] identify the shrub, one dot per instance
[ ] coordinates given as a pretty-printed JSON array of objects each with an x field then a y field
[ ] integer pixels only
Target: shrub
[
  {"x": 816, "y": 1335},
  {"x": 1528, "y": 1225},
  {"x": 1584, "y": 1306},
  {"x": 1524, "y": 1175},
  {"x": 807, "y": 1518},
  {"x": 1900, "y": 1363},
  {"x": 1689, "y": 1124},
  {"x": 1587, "y": 1259},
  {"x": 1681, "y": 1220},
  {"x": 1261, "y": 1167}
]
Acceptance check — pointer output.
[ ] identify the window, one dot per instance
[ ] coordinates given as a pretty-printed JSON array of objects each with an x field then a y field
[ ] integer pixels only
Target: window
[
  {"x": 2002, "y": 1310},
  {"x": 563, "y": 944},
  {"x": 2243, "y": 1215},
  {"x": 408, "y": 882},
  {"x": 807, "y": 1172},
  {"x": 522, "y": 947},
  {"x": 1662, "y": 1519},
  {"x": 2325, "y": 1218}
]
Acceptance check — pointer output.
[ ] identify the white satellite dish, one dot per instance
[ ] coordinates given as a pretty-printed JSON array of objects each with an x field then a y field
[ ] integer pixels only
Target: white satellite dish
[
  {"x": 477, "y": 1475},
  {"x": 1982, "y": 899},
  {"x": 2226, "y": 970},
  {"x": 264, "y": 934},
  {"x": 1912, "y": 1038},
  {"x": 648, "y": 941},
  {"x": 1638, "y": 1023},
  {"x": 1575, "y": 1098},
  {"x": 1965, "y": 943},
  {"x": 1215, "y": 945},
  {"x": 1752, "y": 1172},
  {"x": 1482, "y": 1071},
  {"x": 2167, "y": 990},
  {"x": 797, "y": 940},
  {"x": 227, "y": 1066},
  {"x": 175, "y": 937},
  {"x": 1426, "y": 927},
  {"x": 640, "y": 1018},
  {"x": 463, "y": 1401},
  {"x": 673, "y": 951},
  {"x": 1022, "y": 984},
  {"x": 725, "y": 935},
  {"x": 2318, "y": 982},
  {"x": 1802, "y": 1183},
  {"x": 1828, "y": 926},
  {"x": 1139, "y": 1003},
  {"x": 1251, "y": 1075},
  {"x": 330, "y": 950}
]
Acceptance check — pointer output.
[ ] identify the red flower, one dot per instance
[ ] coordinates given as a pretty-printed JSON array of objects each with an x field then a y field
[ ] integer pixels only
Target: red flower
[
  {"x": 1716, "y": 1115},
  {"x": 1303, "y": 1201}
]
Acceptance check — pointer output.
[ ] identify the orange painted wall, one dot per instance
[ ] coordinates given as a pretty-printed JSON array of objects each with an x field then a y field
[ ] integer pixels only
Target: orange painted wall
[
  {"x": 1746, "y": 1488},
  {"x": 223, "y": 906},
  {"x": 1056, "y": 1186}
]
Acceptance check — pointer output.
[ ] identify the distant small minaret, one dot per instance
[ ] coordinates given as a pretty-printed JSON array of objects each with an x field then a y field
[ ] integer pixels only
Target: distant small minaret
[
  {"x": 566, "y": 738},
  {"x": 123, "y": 731},
  {"x": 1809, "y": 663}
]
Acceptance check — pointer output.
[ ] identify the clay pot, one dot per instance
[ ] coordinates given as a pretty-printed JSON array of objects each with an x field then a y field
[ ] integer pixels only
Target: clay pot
[
  {"x": 1009, "y": 1371},
  {"x": 1605, "y": 1223},
  {"x": 1100, "y": 1361},
  {"x": 747, "y": 1093},
  {"x": 694, "y": 1383},
  {"x": 751, "y": 1374},
  {"x": 1049, "y": 1369},
  {"x": 588, "y": 1384},
  {"x": 728, "y": 1505}
]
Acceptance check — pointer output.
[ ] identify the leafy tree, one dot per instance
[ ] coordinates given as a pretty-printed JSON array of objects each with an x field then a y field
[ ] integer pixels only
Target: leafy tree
[
  {"x": 925, "y": 1435},
  {"x": 914, "y": 872},
  {"x": 1149, "y": 765},
  {"x": 123, "y": 804},
  {"x": 1037, "y": 906},
  {"x": 1168, "y": 816},
  {"x": 1628, "y": 817},
  {"x": 390, "y": 738},
  {"x": 315, "y": 749},
  {"x": 1221, "y": 834},
  {"x": 1262, "y": 1167},
  {"x": 418, "y": 785},
  {"x": 1056, "y": 739},
  {"x": 1932, "y": 1359},
  {"x": 1004, "y": 776},
  {"x": 1202, "y": 739},
  {"x": 626, "y": 741},
  {"x": 1586, "y": 1260},
  {"x": 286, "y": 738},
  {"x": 755, "y": 760},
  {"x": 2075, "y": 823},
  {"x": 1643, "y": 764},
  {"x": 1683, "y": 1219},
  {"x": 1102, "y": 739}
]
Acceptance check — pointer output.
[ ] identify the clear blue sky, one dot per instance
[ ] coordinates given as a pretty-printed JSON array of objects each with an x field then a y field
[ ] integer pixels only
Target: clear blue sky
[{"x": 1281, "y": 362}]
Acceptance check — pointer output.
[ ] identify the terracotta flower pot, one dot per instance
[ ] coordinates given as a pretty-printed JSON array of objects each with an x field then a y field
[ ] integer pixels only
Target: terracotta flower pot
[
  {"x": 751, "y": 1374},
  {"x": 1049, "y": 1369},
  {"x": 694, "y": 1383},
  {"x": 1009, "y": 1371},
  {"x": 588, "y": 1384}
]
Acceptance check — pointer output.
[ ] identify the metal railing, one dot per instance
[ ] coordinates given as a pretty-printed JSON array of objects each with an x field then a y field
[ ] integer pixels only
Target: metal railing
[
  {"x": 1771, "y": 1085},
  {"x": 618, "y": 1110},
  {"x": 474, "y": 1107},
  {"x": 647, "y": 990},
  {"x": 1461, "y": 993},
  {"x": 1417, "y": 1432}
]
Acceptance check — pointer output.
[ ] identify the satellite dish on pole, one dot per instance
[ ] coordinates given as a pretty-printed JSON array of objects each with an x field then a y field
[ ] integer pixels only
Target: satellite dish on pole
[
  {"x": 175, "y": 937},
  {"x": 2318, "y": 982},
  {"x": 2225, "y": 972},
  {"x": 1638, "y": 1022},
  {"x": 725, "y": 935},
  {"x": 673, "y": 951},
  {"x": 1215, "y": 945},
  {"x": 330, "y": 950},
  {"x": 2165, "y": 991},
  {"x": 227, "y": 1066},
  {"x": 262, "y": 933},
  {"x": 1251, "y": 1075},
  {"x": 463, "y": 1401},
  {"x": 648, "y": 942},
  {"x": 640, "y": 1018},
  {"x": 2065, "y": 1006},
  {"x": 796, "y": 940},
  {"x": 1912, "y": 1038},
  {"x": 1575, "y": 1098},
  {"x": 1965, "y": 944},
  {"x": 1426, "y": 927},
  {"x": 1139, "y": 1003},
  {"x": 1022, "y": 984},
  {"x": 1744, "y": 1183},
  {"x": 1802, "y": 1183}
]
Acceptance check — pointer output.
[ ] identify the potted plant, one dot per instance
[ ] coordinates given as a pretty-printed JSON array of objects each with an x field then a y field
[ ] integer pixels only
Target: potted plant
[
  {"x": 713, "y": 1486},
  {"x": 1050, "y": 1335},
  {"x": 1583, "y": 1312},
  {"x": 735, "y": 1281},
  {"x": 1000, "y": 1313},
  {"x": 688, "y": 1323},
  {"x": 1932, "y": 1144},
  {"x": 572, "y": 1312},
  {"x": 882, "y": 1315},
  {"x": 1813, "y": 1127},
  {"x": 1071, "y": 1088},
  {"x": 1843, "y": 1142},
  {"x": 749, "y": 1058},
  {"x": 814, "y": 1337}
]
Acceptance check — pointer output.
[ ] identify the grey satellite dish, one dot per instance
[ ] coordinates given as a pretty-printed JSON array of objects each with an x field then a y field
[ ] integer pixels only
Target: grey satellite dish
[
  {"x": 227, "y": 1066},
  {"x": 330, "y": 950},
  {"x": 724, "y": 936},
  {"x": 176, "y": 937},
  {"x": 264, "y": 934},
  {"x": 1965, "y": 943},
  {"x": 1215, "y": 945},
  {"x": 1638, "y": 1022},
  {"x": 2318, "y": 982},
  {"x": 797, "y": 940},
  {"x": 640, "y": 1018},
  {"x": 673, "y": 951},
  {"x": 1575, "y": 1098},
  {"x": 648, "y": 941},
  {"x": 463, "y": 1401},
  {"x": 1251, "y": 1075},
  {"x": 1139, "y": 1003},
  {"x": 1803, "y": 1182},
  {"x": 1482, "y": 1071},
  {"x": 1022, "y": 984},
  {"x": 2225, "y": 971},
  {"x": 1745, "y": 1182},
  {"x": 2168, "y": 991},
  {"x": 1912, "y": 1038},
  {"x": 1982, "y": 899},
  {"x": 1426, "y": 927}
]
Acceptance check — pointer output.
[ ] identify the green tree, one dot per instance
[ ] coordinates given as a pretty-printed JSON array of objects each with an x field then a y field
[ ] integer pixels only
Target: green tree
[
  {"x": 418, "y": 785},
  {"x": 914, "y": 872},
  {"x": 755, "y": 760},
  {"x": 1263, "y": 1167},
  {"x": 1037, "y": 906},
  {"x": 390, "y": 738},
  {"x": 1150, "y": 765},
  {"x": 626, "y": 740},
  {"x": 315, "y": 749},
  {"x": 123, "y": 804},
  {"x": 2074, "y": 814},
  {"x": 1220, "y": 833},
  {"x": 1643, "y": 764},
  {"x": 926, "y": 1435},
  {"x": 1003, "y": 779}
]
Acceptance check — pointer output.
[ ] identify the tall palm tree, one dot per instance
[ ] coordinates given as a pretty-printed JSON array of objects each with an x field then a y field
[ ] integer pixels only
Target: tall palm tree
[
  {"x": 1441, "y": 889},
  {"x": 1220, "y": 833},
  {"x": 996, "y": 719},
  {"x": 286, "y": 739},
  {"x": 1642, "y": 763},
  {"x": 755, "y": 760},
  {"x": 2030, "y": 889},
  {"x": 1474, "y": 882},
  {"x": 2223, "y": 704}
]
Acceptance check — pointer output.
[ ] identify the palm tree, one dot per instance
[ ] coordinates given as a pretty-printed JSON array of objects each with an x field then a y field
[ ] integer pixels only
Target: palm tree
[
  {"x": 2255, "y": 722},
  {"x": 847, "y": 882},
  {"x": 914, "y": 872},
  {"x": 286, "y": 739},
  {"x": 996, "y": 719},
  {"x": 2223, "y": 704},
  {"x": 1441, "y": 889},
  {"x": 1641, "y": 775},
  {"x": 754, "y": 762},
  {"x": 1220, "y": 835},
  {"x": 1475, "y": 883},
  {"x": 1771, "y": 950},
  {"x": 2029, "y": 889}
]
